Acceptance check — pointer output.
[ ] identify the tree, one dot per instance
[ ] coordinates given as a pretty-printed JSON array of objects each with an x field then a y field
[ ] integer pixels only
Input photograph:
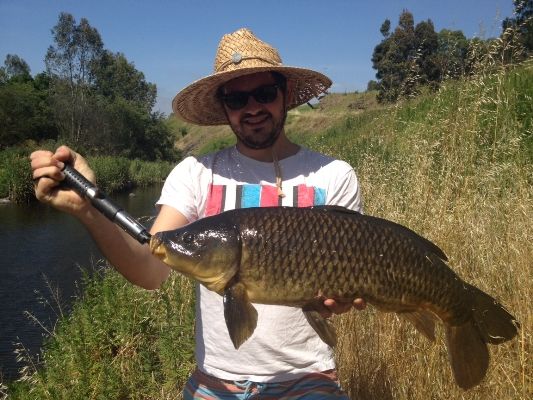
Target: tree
[
  {"x": 385, "y": 28},
  {"x": 395, "y": 59},
  {"x": 521, "y": 24},
  {"x": 372, "y": 85},
  {"x": 77, "y": 48},
  {"x": 415, "y": 55},
  {"x": 115, "y": 77},
  {"x": 427, "y": 44},
  {"x": 452, "y": 53},
  {"x": 16, "y": 68}
]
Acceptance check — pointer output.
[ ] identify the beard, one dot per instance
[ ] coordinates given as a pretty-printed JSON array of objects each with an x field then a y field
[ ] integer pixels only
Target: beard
[{"x": 257, "y": 140}]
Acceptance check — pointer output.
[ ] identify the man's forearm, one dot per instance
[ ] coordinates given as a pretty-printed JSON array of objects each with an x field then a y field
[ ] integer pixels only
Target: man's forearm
[{"x": 129, "y": 257}]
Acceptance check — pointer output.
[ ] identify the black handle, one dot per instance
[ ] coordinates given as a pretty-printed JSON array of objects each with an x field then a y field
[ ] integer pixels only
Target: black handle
[{"x": 102, "y": 203}]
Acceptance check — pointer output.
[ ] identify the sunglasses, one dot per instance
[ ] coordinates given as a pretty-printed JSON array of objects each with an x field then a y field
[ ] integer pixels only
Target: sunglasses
[{"x": 263, "y": 94}]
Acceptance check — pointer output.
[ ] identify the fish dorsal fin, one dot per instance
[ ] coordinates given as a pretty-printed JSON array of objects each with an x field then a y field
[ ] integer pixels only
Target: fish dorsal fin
[
  {"x": 336, "y": 209},
  {"x": 239, "y": 313}
]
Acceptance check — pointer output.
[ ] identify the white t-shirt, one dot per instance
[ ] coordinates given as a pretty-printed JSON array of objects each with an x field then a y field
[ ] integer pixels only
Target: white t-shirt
[{"x": 283, "y": 345}]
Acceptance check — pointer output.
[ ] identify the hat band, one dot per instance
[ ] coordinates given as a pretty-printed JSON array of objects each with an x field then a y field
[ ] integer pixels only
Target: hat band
[{"x": 237, "y": 59}]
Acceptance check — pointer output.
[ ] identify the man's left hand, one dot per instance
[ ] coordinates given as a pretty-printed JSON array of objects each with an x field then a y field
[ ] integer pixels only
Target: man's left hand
[{"x": 334, "y": 307}]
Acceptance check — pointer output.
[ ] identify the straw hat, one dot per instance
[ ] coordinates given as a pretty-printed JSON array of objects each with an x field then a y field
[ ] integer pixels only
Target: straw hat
[{"x": 241, "y": 53}]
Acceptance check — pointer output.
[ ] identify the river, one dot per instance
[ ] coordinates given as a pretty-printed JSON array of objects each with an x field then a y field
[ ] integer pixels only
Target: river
[{"x": 43, "y": 252}]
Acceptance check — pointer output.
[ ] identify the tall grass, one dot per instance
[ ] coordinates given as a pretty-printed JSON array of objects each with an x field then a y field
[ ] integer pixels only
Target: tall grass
[
  {"x": 15, "y": 176},
  {"x": 457, "y": 168},
  {"x": 119, "y": 342}
]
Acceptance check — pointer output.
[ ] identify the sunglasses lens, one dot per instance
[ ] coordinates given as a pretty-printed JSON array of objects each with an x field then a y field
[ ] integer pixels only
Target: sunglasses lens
[
  {"x": 236, "y": 100},
  {"x": 263, "y": 94}
]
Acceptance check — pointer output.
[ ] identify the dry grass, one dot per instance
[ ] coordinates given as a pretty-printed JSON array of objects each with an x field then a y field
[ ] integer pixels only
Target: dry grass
[{"x": 466, "y": 184}]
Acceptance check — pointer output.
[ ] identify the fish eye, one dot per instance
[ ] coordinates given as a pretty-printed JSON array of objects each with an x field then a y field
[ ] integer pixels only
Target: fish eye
[{"x": 187, "y": 237}]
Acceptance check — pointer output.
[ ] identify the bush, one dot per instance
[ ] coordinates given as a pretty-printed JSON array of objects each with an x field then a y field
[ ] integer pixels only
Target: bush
[
  {"x": 112, "y": 173},
  {"x": 15, "y": 175}
]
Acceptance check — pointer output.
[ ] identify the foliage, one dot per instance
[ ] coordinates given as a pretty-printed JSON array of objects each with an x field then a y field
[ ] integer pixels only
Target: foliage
[
  {"x": 522, "y": 22},
  {"x": 24, "y": 108},
  {"x": 412, "y": 57},
  {"x": 15, "y": 67},
  {"x": 455, "y": 166},
  {"x": 15, "y": 175},
  {"x": 117, "y": 78},
  {"x": 118, "y": 342},
  {"x": 89, "y": 98},
  {"x": 113, "y": 173}
]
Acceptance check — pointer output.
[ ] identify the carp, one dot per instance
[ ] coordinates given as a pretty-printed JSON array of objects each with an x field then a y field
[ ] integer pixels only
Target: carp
[{"x": 300, "y": 256}]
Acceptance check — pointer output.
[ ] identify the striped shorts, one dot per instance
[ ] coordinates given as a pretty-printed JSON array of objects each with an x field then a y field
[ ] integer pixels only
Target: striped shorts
[{"x": 314, "y": 386}]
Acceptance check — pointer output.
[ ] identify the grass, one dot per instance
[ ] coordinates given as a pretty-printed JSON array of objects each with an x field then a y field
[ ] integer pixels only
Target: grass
[
  {"x": 119, "y": 342},
  {"x": 114, "y": 173},
  {"x": 455, "y": 166}
]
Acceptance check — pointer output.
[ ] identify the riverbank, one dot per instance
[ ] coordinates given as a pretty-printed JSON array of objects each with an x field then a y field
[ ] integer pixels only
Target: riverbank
[{"x": 114, "y": 174}]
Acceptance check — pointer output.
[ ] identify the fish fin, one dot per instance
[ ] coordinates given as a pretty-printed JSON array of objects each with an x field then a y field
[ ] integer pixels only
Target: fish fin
[
  {"x": 494, "y": 322},
  {"x": 338, "y": 209},
  {"x": 468, "y": 352},
  {"x": 322, "y": 327},
  {"x": 491, "y": 323},
  {"x": 423, "y": 321},
  {"x": 239, "y": 313}
]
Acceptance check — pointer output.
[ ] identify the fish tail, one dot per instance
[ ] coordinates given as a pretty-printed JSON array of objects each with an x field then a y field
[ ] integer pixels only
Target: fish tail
[
  {"x": 494, "y": 322},
  {"x": 467, "y": 343}
]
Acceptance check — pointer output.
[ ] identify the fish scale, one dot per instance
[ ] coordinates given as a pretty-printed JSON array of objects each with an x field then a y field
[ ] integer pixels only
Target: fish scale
[{"x": 299, "y": 256}]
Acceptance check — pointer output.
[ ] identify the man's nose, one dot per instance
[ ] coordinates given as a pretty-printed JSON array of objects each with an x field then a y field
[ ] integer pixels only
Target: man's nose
[{"x": 253, "y": 106}]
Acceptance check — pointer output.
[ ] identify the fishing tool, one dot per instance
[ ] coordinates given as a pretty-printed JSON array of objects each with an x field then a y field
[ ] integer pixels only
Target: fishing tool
[{"x": 106, "y": 206}]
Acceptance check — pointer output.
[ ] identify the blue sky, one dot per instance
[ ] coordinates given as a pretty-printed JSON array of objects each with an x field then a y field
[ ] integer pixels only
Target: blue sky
[{"x": 173, "y": 42}]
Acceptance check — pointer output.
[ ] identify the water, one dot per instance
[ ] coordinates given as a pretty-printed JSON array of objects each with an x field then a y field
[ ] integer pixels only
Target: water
[{"x": 39, "y": 248}]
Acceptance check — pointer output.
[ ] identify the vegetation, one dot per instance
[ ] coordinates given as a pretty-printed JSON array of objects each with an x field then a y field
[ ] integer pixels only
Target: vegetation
[
  {"x": 455, "y": 166},
  {"x": 89, "y": 97},
  {"x": 119, "y": 342},
  {"x": 415, "y": 56},
  {"x": 453, "y": 163},
  {"x": 114, "y": 173}
]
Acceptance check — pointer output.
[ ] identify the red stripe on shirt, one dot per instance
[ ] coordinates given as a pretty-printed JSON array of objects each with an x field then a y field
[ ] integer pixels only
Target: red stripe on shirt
[
  {"x": 214, "y": 204},
  {"x": 306, "y": 196},
  {"x": 269, "y": 196}
]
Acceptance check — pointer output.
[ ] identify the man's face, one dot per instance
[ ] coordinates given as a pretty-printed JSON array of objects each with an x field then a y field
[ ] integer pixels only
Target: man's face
[{"x": 257, "y": 125}]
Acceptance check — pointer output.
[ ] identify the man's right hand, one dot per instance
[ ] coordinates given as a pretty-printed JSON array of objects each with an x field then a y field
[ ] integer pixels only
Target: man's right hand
[{"x": 47, "y": 176}]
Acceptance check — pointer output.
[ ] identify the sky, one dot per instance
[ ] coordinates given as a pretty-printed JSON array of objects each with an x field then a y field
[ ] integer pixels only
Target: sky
[{"x": 174, "y": 42}]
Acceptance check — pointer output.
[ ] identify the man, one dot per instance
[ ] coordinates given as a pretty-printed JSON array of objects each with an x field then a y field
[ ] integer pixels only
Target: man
[{"x": 252, "y": 91}]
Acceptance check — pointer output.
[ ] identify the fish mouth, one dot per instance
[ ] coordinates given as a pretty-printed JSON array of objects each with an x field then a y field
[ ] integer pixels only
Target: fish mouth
[{"x": 156, "y": 246}]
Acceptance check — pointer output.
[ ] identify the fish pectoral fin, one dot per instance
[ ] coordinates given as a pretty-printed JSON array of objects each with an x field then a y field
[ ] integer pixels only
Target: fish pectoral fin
[
  {"x": 322, "y": 326},
  {"x": 239, "y": 313},
  {"x": 423, "y": 321}
]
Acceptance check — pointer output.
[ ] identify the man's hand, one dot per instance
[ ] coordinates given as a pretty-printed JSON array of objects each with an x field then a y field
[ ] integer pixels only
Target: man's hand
[
  {"x": 333, "y": 307},
  {"x": 47, "y": 176}
]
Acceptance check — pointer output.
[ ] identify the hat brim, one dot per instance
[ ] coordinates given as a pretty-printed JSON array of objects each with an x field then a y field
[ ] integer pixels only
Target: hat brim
[{"x": 198, "y": 103}]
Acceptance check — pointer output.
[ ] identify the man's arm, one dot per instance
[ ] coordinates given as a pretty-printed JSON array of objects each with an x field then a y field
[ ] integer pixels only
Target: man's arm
[{"x": 129, "y": 257}]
